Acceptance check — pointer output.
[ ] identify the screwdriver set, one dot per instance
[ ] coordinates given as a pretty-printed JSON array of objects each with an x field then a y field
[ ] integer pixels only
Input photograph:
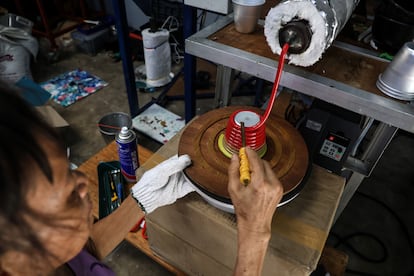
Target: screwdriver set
[{"x": 111, "y": 187}]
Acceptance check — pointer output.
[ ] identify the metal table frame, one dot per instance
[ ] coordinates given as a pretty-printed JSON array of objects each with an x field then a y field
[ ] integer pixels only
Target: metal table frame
[{"x": 391, "y": 114}]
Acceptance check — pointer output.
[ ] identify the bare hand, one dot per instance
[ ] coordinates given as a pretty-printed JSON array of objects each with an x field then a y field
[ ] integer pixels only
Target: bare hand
[{"x": 255, "y": 203}]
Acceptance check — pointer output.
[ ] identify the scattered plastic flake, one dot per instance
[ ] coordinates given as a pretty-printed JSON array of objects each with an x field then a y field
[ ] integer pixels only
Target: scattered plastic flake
[{"x": 72, "y": 86}]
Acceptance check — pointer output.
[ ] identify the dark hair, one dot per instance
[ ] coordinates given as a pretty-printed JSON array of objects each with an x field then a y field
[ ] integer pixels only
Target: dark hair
[{"x": 21, "y": 131}]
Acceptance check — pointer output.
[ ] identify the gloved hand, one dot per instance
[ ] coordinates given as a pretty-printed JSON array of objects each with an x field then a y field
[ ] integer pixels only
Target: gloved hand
[{"x": 163, "y": 184}]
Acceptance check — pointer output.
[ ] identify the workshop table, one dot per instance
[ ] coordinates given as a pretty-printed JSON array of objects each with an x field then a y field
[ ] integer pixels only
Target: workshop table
[
  {"x": 299, "y": 229},
  {"x": 110, "y": 153},
  {"x": 345, "y": 75}
]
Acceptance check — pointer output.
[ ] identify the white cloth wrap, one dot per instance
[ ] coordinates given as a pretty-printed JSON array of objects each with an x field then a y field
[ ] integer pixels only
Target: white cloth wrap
[
  {"x": 163, "y": 184},
  {"x": 157, "y": 55},
  {"x": 326, "y": 20},
  {"x": 283, "y": 13}
]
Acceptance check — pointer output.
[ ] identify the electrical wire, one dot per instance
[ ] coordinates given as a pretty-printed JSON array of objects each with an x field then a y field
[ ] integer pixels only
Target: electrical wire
[
  {"x": 395, "y": 215},
  {"x": 346, "y": 241},
  {"x": 290, "y": 109},
  {"x": 173, "y": 24},
  {"x": 202, "y": 19},
  {"x": 364, "y": 132},
  {"x": 178, "y": 53}
]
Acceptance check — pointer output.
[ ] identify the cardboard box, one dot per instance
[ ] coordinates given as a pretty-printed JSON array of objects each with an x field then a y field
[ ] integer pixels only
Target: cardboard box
[
  {"x": 52, "y": 117},
  {"x": 191, "y": 233},
  {"x": 202, "y": 240}
]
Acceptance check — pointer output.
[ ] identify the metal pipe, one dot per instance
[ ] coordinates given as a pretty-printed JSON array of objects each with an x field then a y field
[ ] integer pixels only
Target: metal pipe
[{"x": 189, "y": 64}]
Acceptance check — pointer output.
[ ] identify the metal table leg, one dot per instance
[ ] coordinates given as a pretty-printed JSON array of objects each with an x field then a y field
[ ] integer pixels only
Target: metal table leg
[
  {"x": 189, "y": 14},
  {"x": 364, "y": 166},
  {"x": 126, "y": 56},
  {"x": 222, "y": 91}
]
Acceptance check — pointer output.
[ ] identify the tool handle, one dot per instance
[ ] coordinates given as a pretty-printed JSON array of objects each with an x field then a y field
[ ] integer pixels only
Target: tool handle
[{"x": 244, "y": 167}]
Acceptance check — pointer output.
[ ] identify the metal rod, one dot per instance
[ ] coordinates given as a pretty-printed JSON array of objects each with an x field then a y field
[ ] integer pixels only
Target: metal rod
[
  {"x": 243, "y": 134},
  {"x": 189, "y": 64},
  {"x": 126, "y": 56}
]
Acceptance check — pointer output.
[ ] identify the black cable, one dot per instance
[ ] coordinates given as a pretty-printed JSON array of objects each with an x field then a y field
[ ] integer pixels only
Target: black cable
[
  {"x": 290, "y": 115},
  {"x": 287, "y": 111},
  {"x": 346, "y": 240},
  {"x": 202, "y": 19},
  {"x": 395, "y": 215}
]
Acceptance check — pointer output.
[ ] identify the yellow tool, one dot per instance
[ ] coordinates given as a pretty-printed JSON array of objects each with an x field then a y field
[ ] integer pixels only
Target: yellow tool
[{"x": 244, "y": 162}]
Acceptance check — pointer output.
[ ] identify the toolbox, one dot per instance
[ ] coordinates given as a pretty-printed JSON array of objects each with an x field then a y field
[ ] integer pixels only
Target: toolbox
[
  {"x": 91, "y": 43},
  {"x": 111, "y": 187},
  {"x": 90, "y": 28}
]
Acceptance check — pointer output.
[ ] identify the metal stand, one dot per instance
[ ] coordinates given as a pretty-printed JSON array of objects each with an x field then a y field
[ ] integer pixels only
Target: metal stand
[
  {"x": 363, "y": 167},
  {"x": 189, "y": 64},
  {"x": 125, "y": 51}
]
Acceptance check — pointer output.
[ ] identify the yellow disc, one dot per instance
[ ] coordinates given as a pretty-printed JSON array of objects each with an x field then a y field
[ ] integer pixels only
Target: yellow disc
[{"x": 222, "y": 145}]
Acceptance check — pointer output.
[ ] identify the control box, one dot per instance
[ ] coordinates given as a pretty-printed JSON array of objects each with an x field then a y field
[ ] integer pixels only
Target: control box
[
  {"x": 334, "y": 146},
  {"x": 219, "y": 6},
  {"x": 330, "y": 133}
]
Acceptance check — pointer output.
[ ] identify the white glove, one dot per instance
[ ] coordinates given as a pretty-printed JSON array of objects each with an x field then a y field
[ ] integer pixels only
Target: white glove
[{"x": 163, "y": 184}]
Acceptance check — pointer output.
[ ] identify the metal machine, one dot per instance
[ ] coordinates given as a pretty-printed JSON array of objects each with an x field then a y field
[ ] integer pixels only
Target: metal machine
[{"x": 330, "y": 133}]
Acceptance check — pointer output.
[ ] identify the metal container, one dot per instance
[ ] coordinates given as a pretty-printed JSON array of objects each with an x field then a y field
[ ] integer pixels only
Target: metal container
[
  {"x": 246, "y": 14},
  {"x": 128, "y": 153},
  {"x": 110, "y": 124},
  {"x": 397, "y": 81}
]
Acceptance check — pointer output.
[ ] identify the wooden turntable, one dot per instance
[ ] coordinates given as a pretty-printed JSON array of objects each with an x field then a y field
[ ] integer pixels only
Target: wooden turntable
[{"x": 286, "y": 152}]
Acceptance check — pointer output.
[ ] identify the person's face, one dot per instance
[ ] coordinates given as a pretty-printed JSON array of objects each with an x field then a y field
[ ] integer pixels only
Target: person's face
[{"x": 67, "y": 205}]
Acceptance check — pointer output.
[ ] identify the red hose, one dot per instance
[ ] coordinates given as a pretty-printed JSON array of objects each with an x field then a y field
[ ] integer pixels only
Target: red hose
[
  {"x": 135, "y": 36},
  {"x": 275, "y": 85},
  {"x": 255, "y": 135}
]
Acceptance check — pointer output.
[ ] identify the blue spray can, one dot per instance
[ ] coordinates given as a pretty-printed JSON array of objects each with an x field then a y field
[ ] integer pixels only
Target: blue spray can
[{"x": 128, "y": 153}]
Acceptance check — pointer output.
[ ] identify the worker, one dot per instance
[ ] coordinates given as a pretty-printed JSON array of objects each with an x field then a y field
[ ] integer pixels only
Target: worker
[{"x": 46, "y": 222}]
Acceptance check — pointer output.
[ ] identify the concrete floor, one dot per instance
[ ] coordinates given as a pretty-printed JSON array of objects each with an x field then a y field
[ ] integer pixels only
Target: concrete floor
[{"x": 391, "y": 183}]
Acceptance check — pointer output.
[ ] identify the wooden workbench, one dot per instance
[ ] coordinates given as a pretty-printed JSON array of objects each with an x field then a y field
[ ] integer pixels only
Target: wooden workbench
[
  {"x": 337, "y": 64},
  {"x": 334, "y": 260},
  {"x": 109, "y": 153}
]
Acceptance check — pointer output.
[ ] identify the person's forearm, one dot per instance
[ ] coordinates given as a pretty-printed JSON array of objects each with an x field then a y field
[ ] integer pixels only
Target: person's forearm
[
  {"x": 251, "y": 251},
  {"x": 108, "y": 232}
]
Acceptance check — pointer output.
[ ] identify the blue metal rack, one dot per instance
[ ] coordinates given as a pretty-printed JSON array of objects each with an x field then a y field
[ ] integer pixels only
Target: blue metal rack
[
  {"x": 189, "y": 29},
  {"x": 125, "y": 52}
]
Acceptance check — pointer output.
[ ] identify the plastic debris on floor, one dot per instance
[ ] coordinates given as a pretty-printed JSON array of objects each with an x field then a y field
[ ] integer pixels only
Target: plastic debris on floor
[
  {"x": 158, "y": 123},
  {"x": 72, "y": 86}
]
